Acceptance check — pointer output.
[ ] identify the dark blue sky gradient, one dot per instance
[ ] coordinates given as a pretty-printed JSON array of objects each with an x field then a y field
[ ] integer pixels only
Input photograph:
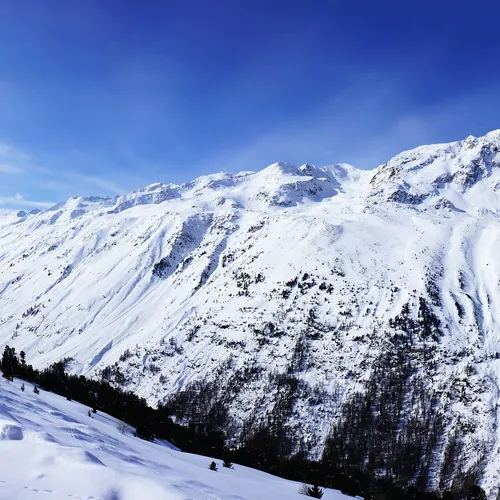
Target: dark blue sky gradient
[{"x": 106, "y": 96}]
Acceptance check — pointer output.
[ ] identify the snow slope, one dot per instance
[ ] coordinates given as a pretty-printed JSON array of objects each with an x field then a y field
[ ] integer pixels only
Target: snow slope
[
  {"x": 52, "y": 449},
  {"x": 237, "y": 279}
]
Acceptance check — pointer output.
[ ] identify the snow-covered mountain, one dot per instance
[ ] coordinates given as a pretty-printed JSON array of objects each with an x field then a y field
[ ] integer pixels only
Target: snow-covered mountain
[
  {"x": 318, "y": 284},
  {"x": 52, "y": 449}
]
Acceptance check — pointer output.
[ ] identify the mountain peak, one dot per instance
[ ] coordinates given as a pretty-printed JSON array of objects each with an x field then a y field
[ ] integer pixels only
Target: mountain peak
[{"x": 466, "y": 173}]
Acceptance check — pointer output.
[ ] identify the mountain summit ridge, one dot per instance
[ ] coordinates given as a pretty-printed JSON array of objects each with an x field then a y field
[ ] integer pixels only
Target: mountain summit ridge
[{"x": 418, "y": 176}]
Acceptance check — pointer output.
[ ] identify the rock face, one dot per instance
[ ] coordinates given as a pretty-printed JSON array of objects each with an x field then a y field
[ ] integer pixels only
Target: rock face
[{"x": 330, "y": 304}]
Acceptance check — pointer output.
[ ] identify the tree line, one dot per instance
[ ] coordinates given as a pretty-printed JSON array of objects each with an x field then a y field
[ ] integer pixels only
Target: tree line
[{"x": 263, "y": 447}]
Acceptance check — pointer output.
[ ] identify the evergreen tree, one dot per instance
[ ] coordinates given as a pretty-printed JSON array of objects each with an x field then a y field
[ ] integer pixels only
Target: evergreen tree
[
  {"x": 315, "y": 492},
  {"x": 311, "y": 491},
  {"x": 145, "y": 432},
  {"x": 476, "y": 493},
  {"x": 10, "y": 363},
  {"x": 412, "y": 493},
  {"x": 23, "y": 366}
]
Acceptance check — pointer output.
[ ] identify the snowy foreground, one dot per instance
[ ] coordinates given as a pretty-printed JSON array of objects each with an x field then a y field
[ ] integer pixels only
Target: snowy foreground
[{"x": 51, "y": 448}]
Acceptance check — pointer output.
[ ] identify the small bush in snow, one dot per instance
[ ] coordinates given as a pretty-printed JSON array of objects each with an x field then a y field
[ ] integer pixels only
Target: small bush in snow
[{"x": 311, "y": 491}]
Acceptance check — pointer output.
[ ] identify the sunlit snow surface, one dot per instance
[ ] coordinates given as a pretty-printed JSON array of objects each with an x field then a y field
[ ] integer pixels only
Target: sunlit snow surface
[{"x": 51, "y": 449}]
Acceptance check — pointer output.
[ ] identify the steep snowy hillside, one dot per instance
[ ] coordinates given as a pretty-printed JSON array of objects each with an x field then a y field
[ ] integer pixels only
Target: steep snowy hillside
[
  {"x": 290, "y": 296},
  {"x": 52, "y": 449}
]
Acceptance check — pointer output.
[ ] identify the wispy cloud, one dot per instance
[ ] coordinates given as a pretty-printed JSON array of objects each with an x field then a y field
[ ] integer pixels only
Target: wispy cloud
[
  {"x": 364, "y": 128},
  {"x": 10, "y": 151},
  {"x": 104, "y": 184},
  {"x": 70, "y": 182},
  {"x": 7, "y": 168},
  {"x": 76, "y": 182},
  {"x": 48, "y": 178},
  {"x": 12, "y": 159},
  {"x": 18, "y": 200}
]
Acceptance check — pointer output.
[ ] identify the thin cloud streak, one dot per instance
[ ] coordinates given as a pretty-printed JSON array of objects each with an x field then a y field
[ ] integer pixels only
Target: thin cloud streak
[
  {"x": 7, "y": 168},
  {"x": 42, "y": 178},
  {"x": 101, "y": 183},
  {"x": 9, "y": 151},
  {"x": 19, "y": 201},
  {"x": 361, "y": 132}
]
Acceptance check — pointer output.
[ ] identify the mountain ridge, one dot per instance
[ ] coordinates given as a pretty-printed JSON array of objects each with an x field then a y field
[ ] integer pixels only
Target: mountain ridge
[
  {"x": 285, "y": 296},
  {"x": 445, "y": 155}
]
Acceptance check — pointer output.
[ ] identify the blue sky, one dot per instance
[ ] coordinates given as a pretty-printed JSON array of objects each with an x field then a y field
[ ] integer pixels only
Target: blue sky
[{"x": 103, "y": 97}]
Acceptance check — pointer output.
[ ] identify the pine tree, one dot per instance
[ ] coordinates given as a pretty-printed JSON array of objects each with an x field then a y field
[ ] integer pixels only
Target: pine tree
[
  {"x": 145, "y": 432},
  {"x": 411, "y": 493},
  {"x": 311, "y": 491},
  {"x": 23, "y": 367},
  {"x": 213, "y": 466},
  {"x": 476, "y": 493},
  {"x": 315, "y": 491},
  {"x": 10, "y": 363}
]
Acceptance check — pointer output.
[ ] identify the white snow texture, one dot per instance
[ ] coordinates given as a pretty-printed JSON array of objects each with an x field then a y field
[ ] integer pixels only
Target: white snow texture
[{"x": 51, "y": 449}]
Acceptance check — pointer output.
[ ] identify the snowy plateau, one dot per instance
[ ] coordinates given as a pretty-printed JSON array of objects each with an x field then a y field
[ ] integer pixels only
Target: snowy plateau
[
  {"x": 56, "y": 451},
  {"x": 336, "y": 278}
]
